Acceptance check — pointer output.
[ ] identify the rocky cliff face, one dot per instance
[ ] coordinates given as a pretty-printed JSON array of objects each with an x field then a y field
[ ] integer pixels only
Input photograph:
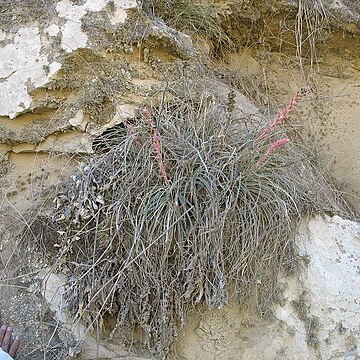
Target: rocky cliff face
[{"x": 72, "y": 71}]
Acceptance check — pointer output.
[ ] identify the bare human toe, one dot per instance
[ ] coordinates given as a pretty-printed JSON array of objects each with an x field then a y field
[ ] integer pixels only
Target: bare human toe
[
  {"x": 14, "y": 347},
  {"x": 6, "y": 340},
  {"x": 2, "y": 333}
]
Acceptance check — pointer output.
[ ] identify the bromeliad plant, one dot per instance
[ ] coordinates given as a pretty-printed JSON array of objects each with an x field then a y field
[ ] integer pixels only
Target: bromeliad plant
[{"x": 179, "y": 212}]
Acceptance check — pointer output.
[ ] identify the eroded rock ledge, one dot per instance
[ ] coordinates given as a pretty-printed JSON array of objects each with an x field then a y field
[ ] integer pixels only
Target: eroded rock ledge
[{"x": 72, "y": 70}]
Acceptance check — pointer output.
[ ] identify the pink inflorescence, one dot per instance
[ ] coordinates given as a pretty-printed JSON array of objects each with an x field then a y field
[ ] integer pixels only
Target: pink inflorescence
[
  {"x": 283, "y": 114},
  {"x": 275, "y": 145},
  {"x": 156, "y": 144}
]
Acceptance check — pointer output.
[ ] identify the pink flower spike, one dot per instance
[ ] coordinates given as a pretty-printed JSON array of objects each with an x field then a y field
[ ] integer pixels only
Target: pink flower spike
[
  {"x": 156, "y": 145},
  {"x": 282, "y": 115},
  {"x": 275, "y": 145}
]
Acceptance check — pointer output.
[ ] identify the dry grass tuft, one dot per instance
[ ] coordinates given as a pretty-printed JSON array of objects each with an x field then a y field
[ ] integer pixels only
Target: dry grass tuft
[
  {"x": 196, "y": 17},
  {"x": 311, "y": 19},
  {"x": 147, "y": 251}
]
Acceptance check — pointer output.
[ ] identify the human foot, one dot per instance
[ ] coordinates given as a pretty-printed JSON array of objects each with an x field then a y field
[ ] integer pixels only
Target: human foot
[{"x": 8, "y": 346}]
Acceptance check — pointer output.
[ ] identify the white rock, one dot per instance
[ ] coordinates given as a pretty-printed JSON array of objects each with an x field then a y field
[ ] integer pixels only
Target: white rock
[
  {"x": 52, "y": 30},
  {"x": 21, "y": 64}
]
